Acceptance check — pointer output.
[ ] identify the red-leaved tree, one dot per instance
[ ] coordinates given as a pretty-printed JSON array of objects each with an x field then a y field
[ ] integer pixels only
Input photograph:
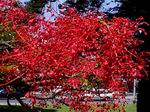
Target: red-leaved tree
[{"x": 78, "y": 54}]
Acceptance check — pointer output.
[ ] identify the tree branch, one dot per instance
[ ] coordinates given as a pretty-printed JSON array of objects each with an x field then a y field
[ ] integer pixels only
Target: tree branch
[
  {"x": 11, "y": 81},
  {"x": 7, "y": 44}
]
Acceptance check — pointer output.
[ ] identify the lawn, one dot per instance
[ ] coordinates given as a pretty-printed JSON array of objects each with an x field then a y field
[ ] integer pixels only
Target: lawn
[{"x": 129, "y": 108}]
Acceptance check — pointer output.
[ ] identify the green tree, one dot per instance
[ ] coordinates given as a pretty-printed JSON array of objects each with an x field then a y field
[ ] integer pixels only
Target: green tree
[
  {"x": 35, "y": 5},
  {"x": 6, "y": 38}
]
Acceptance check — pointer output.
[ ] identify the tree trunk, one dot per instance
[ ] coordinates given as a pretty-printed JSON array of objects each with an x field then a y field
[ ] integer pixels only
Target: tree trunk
[
  {"x": 24, "y": 106},
  {"x": 143, "y": 97}
]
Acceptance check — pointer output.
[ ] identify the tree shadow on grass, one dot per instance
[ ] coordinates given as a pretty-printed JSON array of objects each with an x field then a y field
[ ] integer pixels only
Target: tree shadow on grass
[
  {"x": 20, "y": 109},
  {"x": 49, "y": 110}
]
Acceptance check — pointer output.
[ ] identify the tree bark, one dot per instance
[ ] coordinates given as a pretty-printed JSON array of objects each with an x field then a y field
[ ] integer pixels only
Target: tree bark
[{"x": 143, "y": 97}]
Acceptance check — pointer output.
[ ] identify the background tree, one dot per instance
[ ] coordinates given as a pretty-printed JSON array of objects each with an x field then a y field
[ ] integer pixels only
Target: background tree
[{"x": 36, "y": 6}]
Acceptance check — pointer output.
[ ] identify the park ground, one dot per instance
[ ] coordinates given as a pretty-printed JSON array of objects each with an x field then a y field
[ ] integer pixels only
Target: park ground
[{"x": 129, "y": 108}]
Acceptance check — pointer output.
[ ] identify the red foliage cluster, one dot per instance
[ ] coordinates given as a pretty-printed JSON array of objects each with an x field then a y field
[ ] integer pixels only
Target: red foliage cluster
[{"x": 72, "y": 55}]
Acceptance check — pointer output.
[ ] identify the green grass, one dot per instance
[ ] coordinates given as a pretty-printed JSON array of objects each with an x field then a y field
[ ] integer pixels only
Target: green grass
[
  {"x": 129, "y": 108},
  {"x": 62, "y": 109}
]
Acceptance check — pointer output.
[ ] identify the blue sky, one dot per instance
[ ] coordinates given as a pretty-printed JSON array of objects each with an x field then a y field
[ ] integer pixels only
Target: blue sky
[{"x": 110, "y": 6}]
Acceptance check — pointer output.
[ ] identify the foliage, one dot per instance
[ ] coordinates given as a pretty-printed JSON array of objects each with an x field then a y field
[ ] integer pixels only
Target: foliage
[
  {"x": 35, "y": 5},
  {"x": 84, "y": 5},
  {"x": 64, "y": 59}
]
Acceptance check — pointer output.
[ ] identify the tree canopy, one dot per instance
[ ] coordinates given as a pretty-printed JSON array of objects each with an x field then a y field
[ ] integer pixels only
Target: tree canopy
[{"x": 75, "y": 55}]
